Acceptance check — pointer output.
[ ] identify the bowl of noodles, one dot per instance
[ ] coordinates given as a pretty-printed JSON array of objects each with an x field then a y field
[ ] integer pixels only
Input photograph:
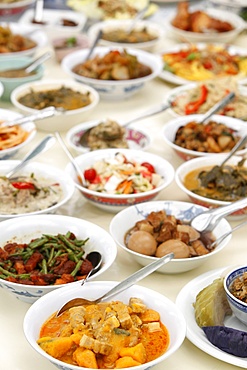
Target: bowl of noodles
[
  {"x": 198, "y": 62},
  {"x": 14, "y": 138},
  {"x": 186, "y": 99}
]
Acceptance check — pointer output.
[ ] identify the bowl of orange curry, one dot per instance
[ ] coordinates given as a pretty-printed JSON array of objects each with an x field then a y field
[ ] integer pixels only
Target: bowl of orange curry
[{"x": 136, "y": 328}]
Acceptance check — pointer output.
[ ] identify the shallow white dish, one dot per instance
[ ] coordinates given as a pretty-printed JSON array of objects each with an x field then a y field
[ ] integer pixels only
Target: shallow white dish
[
  {"x": 185, "y": 211},
  {"x": 170, "y": 129},
  {"x": 195, "y": 334},
  {"x": 45, "y": 171},
  {"x": 177, "y": 80},
  {"x": 41, "y": 310},
  {"x": 30, "y": 31},
  {"x": 111, "y": 25},
  {"x": 31, "y": 227},
  {"x": 136, "y": 138},
  {"x": 112, "y": 89},
  {"x": 53, "y": 26},
  {"x": 236, "y": 21},
  {"x": 61, "y": 121},
  {"x": 8, "y": 115}
]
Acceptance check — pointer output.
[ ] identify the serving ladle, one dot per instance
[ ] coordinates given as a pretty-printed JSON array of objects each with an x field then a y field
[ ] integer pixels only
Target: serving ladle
[
  {"x": 125, "y": 284},
  {"x": 44, "y": 145}
]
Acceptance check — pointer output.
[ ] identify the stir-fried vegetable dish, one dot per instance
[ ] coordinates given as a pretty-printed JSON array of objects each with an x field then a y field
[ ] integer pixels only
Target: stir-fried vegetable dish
[
  {"x": 120, "y": 175},
  {"x": 115, "y": 65},
  {"x": 226, "y": 183},
  {"x": 122, "y": 36},
  {"x": 212, "y": 137},
  {"x": 47, "y": 260},
  {"x": 159, "y": 234},
  {"x": 199, "y": 64},
  {"x": 11, "y": 43},
  {"x": 110, "y": 335}
]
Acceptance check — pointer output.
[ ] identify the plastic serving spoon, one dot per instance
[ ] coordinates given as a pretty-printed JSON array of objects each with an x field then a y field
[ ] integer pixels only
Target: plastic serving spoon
[
  {"x": 125, "y": 284},
  {"x": 45, "y": 144},
  {"x": 84, "y": 137}
]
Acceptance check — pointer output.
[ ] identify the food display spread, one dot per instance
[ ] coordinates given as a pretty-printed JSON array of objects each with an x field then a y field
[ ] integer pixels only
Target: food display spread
[{"x": 125, "y": 332}]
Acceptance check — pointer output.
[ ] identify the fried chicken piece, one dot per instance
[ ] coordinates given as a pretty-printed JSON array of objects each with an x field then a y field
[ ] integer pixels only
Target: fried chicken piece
[{"x": 182, "y": 18}]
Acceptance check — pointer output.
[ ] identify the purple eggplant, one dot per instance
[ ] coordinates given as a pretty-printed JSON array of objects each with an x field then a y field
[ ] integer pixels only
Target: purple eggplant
[{"x": 229, "y": 340}]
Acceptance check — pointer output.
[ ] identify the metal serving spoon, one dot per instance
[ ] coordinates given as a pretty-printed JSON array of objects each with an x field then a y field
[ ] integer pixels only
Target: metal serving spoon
[
  {"x": 90, "y": 52},
  {"x": 125, "y": 284},
  {"x": 45, "y": 144},
  {"x": 44, "y": 113},
  {"x": 96, "y": 259},
  {"x": 77, "y": 169},
  {"x": 224, "y": 236},
  {"x": 84, "y": 137},
  {"x": 137, "y": 17},
  {"x": 32, "y": 65},
  {"x": 217, "y": 107}
]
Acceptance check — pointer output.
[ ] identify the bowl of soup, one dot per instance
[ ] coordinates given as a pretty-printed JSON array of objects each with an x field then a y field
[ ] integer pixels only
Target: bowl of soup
[{"x": 73, "y": 102}]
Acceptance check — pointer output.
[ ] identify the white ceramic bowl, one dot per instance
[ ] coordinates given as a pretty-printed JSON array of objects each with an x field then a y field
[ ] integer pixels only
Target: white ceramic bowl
[
  {"x": 41, "y": 310},
  {"x": 31, "y": 227},
  {"x": 45, "y": 171},
  {"x": 203, "y": 162},
  {"x": 62, "y": 120},
  {"x": 184, "y": 211},
  {"x": 239, "y": 308},
  {"x": 109, "y": 89},
  {"x": 180, "y": 96},
  {"x": 8, "y": 115},
  {"x": 236, "y": 21},
  {"x": 136, "y": 138},
  {"x": 170, "y": 130},
  {"x": 33, "y": 33},
  {"x": 16, "y": 7},
  {"x": 116, "y": 202},
  {"x": 53, "y": 22},
  {"x": 153, "y": 29}
]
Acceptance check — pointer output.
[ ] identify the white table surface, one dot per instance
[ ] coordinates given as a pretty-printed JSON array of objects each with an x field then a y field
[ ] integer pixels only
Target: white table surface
[{"x": 15, "y": 352}]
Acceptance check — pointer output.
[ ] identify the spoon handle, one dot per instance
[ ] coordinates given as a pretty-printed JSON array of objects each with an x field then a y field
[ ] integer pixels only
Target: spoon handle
[
  {"x": 138, "y": 275},
  {"x": 208, "y": 220},
  {"x": 41, "y": 147},
  {"x": 98, "y": 36},
  {"x": 224, "y": 236},
  {"x": 239, "y": 144},
  {"x": 218, "y": 106},
  {"x": 37, "y": 62},
  {"x": 44, "y": 113},
  {"x": 148, "y": 113}
]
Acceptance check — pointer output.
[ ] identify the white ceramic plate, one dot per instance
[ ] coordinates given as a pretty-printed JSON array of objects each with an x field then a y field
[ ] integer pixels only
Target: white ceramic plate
[
  {"x": 30, "y": 31},
  {"x": 170, "y": 77},
  {"x": 236, "y": 21},
  {"x": 136, "y": 139},
  {"x": 195, "y": 334}
]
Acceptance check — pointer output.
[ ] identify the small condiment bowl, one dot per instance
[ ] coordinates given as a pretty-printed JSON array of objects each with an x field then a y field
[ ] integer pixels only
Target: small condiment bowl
[
  {"x": 114, "y": 89},
  {"x": 63, "y": 120},
  {"x": 201, "y": 163},
  {"x": 10, "y": 83},
  {"x": 31, "y": 227},
  {"x": 170, "y": 129},
  {"x": 41, "y": 310},
  {"x": 109, "y": 201},
  {"x": 185, "y": 211},
  {"x": 154, "y": 29},
  {"x": 136, "y": 138},
  {"x": 239, "y": 307}
]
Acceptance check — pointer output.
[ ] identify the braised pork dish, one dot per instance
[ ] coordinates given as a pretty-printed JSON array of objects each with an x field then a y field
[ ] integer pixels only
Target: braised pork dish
[
  {"x": 159, "y": 234},
  {"x": 114, "y": 65},
  {"x": 198, "y": 21},
  {"x": 11, "y": 42}
]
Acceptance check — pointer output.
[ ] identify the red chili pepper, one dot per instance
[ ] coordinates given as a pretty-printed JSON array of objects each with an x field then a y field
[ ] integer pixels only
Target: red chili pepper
[
  {"x": 90, "y": 174},
  {"x": 148, "y": 166},
  {"x": 193, "y": 106},
  {"x": 207, "y": 65},
  {"x": 23, "y": 185}
]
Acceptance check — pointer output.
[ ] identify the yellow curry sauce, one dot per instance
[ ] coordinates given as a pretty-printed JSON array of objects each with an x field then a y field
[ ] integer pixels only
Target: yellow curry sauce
[{"x": 106, "y": 335}]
